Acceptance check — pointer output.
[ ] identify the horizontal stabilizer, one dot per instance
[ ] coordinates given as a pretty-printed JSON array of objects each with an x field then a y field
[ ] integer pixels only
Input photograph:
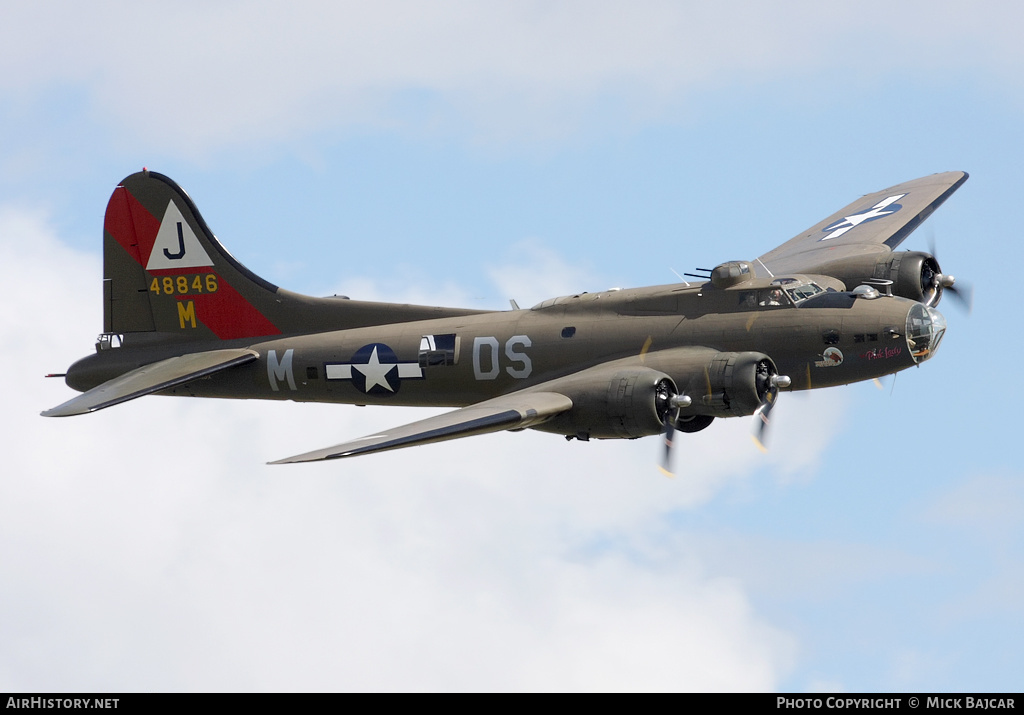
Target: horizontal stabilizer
[
  {"x": 153, "y": 378},
  {"x": 516, "y": 411}
]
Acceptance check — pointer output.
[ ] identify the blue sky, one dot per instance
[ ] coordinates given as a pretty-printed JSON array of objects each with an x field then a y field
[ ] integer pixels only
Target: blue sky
[{"x": 466, "y": 153}]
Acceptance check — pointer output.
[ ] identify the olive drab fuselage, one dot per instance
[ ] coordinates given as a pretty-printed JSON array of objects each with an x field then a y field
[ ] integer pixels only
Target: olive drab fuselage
[{"x": 494, "y": 353}]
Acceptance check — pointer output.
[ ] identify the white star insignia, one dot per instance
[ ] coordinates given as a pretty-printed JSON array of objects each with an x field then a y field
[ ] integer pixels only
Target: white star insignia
[
  {"x": 876, "y": 211},
  {"x": 376, "y": 372}
]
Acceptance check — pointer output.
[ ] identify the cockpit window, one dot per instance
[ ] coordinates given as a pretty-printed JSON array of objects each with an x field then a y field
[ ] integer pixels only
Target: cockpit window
[
  {"x": 803, "y": 291},
  {"x": 783, "y": 292},
  {"x": 764, "y": 298}
]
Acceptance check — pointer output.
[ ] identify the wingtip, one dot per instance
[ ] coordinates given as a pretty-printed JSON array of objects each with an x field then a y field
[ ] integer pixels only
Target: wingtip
[
  {"x": 319, "y": 456},
  {"x": 58, "y": 412},
  {"x": 290, "y": 460}
]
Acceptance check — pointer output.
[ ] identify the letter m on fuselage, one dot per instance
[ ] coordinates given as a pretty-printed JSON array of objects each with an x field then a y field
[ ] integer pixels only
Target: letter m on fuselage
[{"x": 280, "y": 370}]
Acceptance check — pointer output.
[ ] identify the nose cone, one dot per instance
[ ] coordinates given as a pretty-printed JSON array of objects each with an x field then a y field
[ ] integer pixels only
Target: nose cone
[{"x": 925, "y": 328}]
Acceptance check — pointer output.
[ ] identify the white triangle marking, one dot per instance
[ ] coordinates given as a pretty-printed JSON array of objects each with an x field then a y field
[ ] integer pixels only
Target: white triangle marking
[{"x": 177, "y": 245}]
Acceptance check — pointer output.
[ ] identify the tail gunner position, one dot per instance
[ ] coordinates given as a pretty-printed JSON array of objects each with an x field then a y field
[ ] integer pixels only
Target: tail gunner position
[{"x": 834, "y": 305}]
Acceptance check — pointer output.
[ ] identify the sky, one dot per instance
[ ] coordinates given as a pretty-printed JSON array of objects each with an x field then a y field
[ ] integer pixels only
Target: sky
[{"x": 465, "y": 153}]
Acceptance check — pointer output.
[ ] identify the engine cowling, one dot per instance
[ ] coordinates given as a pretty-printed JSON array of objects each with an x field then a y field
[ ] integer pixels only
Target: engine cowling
[
  {"x": 914, "y": 274},
  {"x": 626, "y": 402},
  {"x": 734, "y": 385},
  {"x": 615, "y": 403}
]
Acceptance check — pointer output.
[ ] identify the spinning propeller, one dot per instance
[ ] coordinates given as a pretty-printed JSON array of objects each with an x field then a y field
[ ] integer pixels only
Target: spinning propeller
[
  {"x": 668, "y": 404},
  {"x": 768, "y": 384},
  {"x": 936, "y": 280}
]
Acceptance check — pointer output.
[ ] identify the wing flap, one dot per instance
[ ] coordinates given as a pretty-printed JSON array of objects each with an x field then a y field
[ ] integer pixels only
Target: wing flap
[
  {"x": 515, "y": 411},
  {"x": 153, "y": 378},
  {"x": 876, "y": 223}
]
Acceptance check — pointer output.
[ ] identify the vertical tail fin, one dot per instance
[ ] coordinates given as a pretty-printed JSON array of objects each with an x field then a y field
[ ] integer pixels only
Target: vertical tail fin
[
  {"x": 164, "y": 272},
  {"x": 168, "y": 278}
]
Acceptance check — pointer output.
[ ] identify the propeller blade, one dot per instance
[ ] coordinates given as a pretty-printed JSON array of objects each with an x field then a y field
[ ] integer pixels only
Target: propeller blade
[
  {"x": 668, "y": 433},
  {"x": 763, "y": 412},
  {"x": 964, "y": 295},
  {"x": 761, "y": 421},
  {"x": 670, "y": 413}
]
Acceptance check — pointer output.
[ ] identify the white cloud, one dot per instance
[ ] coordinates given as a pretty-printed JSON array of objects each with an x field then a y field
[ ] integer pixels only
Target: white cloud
[
  {"x": 148, "y": 547},
  {"x": 795, "y": 570},
  {"x": 986, "y": 509},
  {"x": 209, "y": 75},
  {"x": 531, "y": 272},
  {"x": 411, "y": 285},
  {"x": 990, "y": 504}
]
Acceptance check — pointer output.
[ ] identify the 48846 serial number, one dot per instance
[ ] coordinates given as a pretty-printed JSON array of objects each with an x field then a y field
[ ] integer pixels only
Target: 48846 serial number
[{"x": 184, "y": 285}]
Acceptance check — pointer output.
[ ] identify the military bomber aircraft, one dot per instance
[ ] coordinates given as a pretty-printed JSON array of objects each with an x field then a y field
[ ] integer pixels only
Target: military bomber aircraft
[{"x": 834, "y": 305}]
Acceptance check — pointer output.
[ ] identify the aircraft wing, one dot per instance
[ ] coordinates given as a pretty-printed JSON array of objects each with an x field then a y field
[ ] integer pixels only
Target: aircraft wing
[
  {"x": 876, "y": 223},
  {"x": 153, "y": 378},
  {"x": 516, "y": 411}
]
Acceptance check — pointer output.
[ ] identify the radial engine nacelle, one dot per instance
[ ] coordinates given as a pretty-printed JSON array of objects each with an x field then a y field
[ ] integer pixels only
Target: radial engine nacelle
[
  {"x": 913, "y": 274},
  {"x": 629, "y": 401}
]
